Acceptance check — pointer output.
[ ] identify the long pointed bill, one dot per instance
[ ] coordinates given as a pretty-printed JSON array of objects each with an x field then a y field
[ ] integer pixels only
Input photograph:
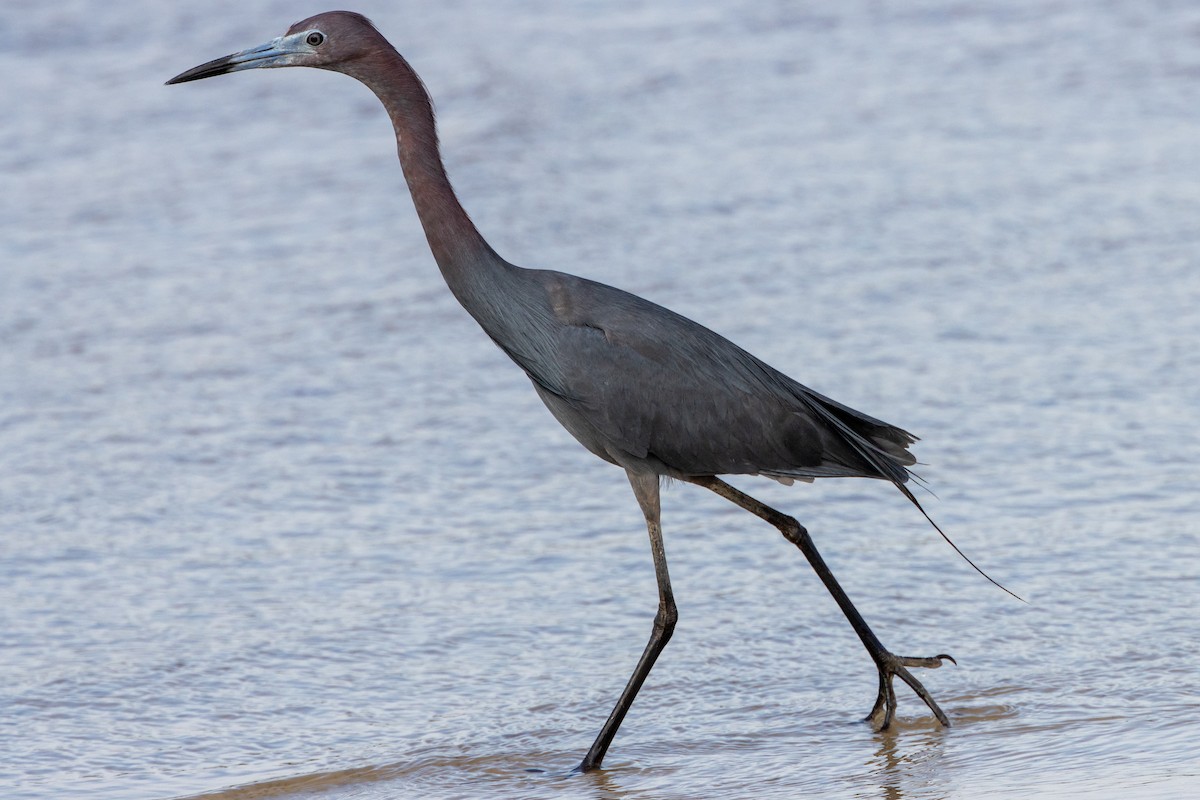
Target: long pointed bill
[{"x": 285, "y": 51}]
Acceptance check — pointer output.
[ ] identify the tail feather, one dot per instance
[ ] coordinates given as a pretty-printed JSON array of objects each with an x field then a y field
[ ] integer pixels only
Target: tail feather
[{"x": 882, "y": 447}]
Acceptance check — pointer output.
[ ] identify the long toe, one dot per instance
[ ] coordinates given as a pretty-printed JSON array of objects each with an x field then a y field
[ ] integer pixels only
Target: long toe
[
  {"x": 884, "y": 709},
  {"x": 932, "y": 662},
  {"x": 889, "y": 665}
]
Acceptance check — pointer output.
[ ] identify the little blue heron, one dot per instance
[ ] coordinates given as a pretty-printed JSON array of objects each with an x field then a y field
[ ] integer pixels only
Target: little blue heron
[{"x": 638, "y": 385}]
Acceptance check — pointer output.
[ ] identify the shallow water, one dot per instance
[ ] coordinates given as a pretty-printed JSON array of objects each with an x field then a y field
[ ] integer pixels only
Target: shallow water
[{"x": 279, "y": 521}]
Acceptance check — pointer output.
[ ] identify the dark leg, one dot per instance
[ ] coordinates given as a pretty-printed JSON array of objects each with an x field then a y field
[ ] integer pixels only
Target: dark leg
[
  {"x": 888, "y": 664},
  {"x": 645, "y": 487}
]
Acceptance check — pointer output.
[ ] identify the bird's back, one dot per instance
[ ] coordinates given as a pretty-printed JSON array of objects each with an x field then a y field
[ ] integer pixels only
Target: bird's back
[{"x": 651, "y": 390}]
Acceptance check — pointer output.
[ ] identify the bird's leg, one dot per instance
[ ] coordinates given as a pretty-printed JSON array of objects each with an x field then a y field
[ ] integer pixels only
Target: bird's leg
[
  {"x": 645, "y": 487},
  {"x": 888, "y": 664}
]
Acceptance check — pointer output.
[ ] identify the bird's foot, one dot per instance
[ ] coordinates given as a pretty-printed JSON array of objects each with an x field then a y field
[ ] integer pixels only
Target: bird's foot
[{"x": 890, "y": 666}]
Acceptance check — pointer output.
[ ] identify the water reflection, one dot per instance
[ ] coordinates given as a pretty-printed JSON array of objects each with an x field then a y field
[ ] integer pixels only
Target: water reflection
[{"x": 905, "y": 760}]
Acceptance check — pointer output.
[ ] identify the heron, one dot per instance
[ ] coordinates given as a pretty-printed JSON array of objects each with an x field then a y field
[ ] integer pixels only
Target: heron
[{"x": 638, "y": 385}]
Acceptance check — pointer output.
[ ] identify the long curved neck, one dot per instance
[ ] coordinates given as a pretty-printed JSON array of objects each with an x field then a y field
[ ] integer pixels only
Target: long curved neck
[{"x": 460, "y": 250}]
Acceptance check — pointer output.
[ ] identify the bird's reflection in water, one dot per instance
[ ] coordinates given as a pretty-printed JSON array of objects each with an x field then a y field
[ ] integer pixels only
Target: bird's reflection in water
[{"x": 904, "y": 760}]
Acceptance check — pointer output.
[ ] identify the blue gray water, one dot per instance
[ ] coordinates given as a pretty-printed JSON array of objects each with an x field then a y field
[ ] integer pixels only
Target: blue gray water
[{"x": 275, "y": 517}]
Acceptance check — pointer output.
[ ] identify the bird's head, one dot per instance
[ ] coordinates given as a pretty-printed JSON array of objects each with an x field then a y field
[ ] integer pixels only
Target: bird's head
[{"x": 332, "y": 40}]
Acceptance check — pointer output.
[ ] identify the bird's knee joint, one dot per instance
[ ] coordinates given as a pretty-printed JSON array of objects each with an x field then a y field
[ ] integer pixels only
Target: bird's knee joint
[
  {"x": 665, "y": 619},
  {"x": 794, "y": 532}
]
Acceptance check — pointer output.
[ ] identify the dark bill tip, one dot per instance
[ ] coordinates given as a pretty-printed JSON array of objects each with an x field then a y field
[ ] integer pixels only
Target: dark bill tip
[{"x": 218, "y": 66}]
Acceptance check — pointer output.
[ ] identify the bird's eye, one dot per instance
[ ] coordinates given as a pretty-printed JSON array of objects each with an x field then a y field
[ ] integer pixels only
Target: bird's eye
[{"x": 315, "y": 38}]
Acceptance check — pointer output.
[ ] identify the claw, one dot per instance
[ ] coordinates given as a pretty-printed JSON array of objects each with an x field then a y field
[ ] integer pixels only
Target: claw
[
  {"x": 927, "y": 663},
  {"x": 890, "y": 666}
]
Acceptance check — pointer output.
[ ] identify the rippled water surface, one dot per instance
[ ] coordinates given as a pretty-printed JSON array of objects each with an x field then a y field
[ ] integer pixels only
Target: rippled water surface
[{"x": 276, "y": 519}]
